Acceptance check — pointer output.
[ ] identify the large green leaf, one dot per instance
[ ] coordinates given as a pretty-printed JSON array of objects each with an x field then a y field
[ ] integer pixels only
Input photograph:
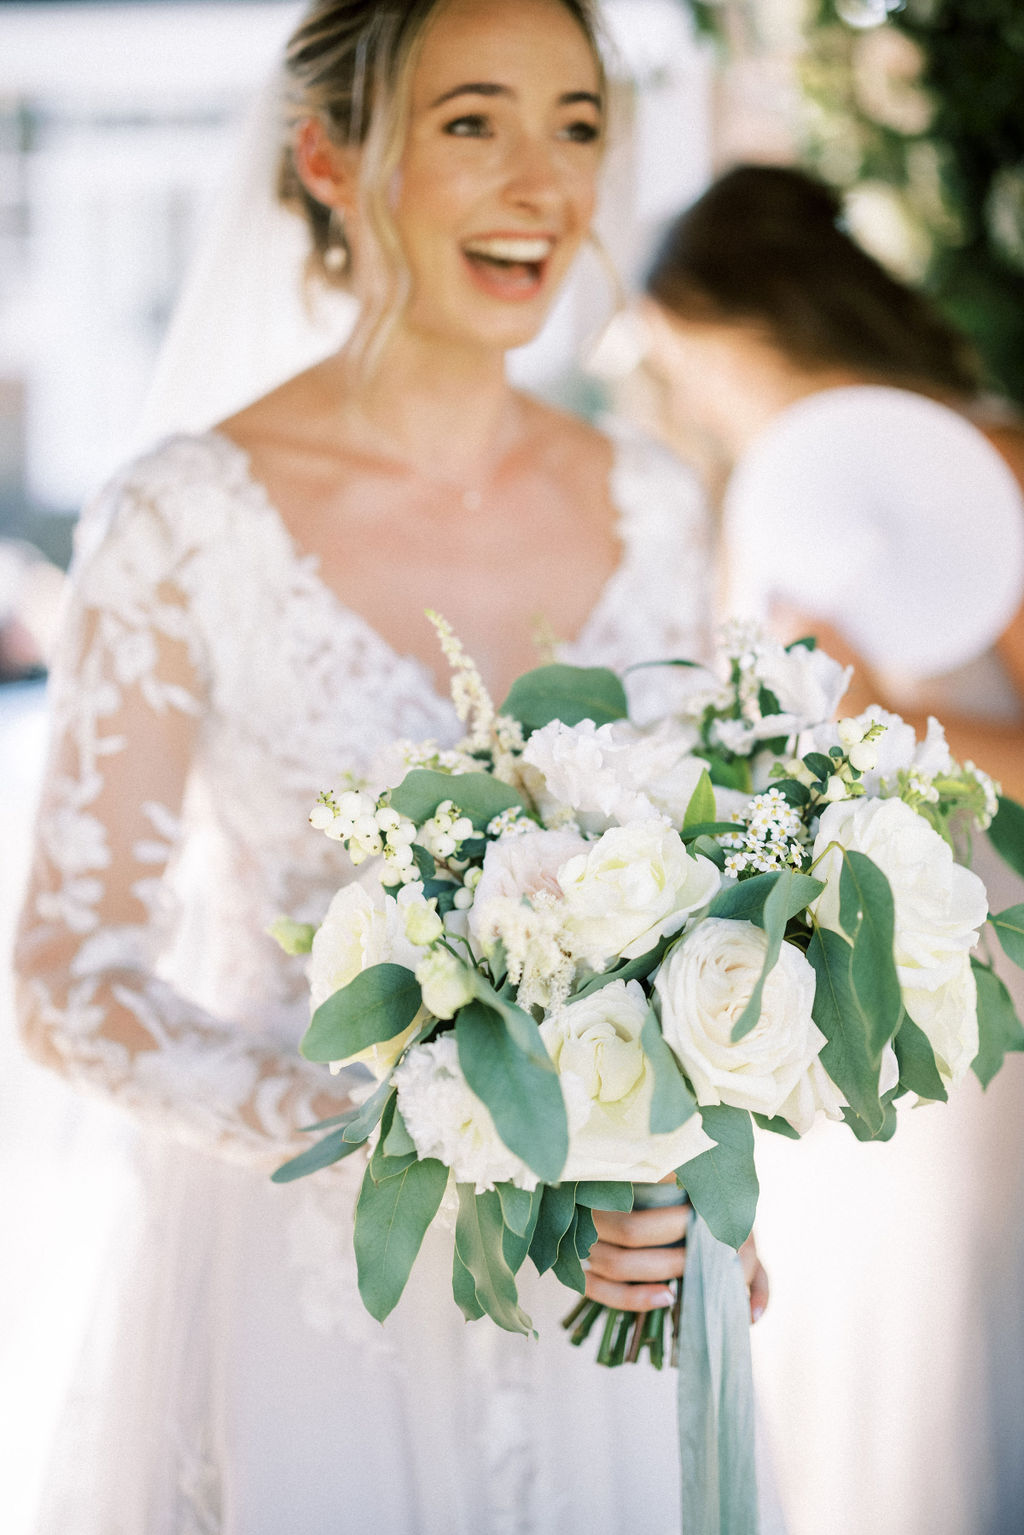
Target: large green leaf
[
  {"x": 672, "y": 1103},
  {"x": 391, "y": 1221},
  {"x": 1009, "y": 926},
  {"x": 566, "y": 693},
  {"x": 918, "y": 1072},
  {"x": 464, "y": 1289},
  {"x": 385, "y": 1162},
  {"x": 700, "y": 810},
  {"x": 628, "y": 970},
  {"x": 605, "y": 1196},
  {"x": 479, "y": 1232},
  {"x": 866, "y": 913},
  {"x": 864, "y": 1131},
  {"x": 517, "y": 1206},
  {"x": 1006, "y": 834},
  {"x": 557, "y": 1213},
  {"x": 788, "y": 896},
  {"x": 376, "y": 1005},
  {"x": 999, "y": 1028},
  {"x": 851, "y": 1057},
  {"x": 477, "y": 795},
  {"x": 504, "y": 1061},
  {"x": 324, "y": 1154},
  {"x": 722, "y": 1183},
  {"x": 777, "y": 1125},
  {"x": 744, "y": 902},
  {"x": 567, "y": 1266}
]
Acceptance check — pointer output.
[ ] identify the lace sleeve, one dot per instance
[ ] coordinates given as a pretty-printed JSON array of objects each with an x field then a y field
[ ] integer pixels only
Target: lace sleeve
[{"x": 127, "y": 709}]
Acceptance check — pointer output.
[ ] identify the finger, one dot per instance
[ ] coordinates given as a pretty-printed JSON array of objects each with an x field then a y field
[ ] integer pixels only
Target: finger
[
  {"x": 643, "y": 1228},
  {"x": 629, "y": 1297},
  {"x": 636, "y": 1265},
  {"x": 759, "y": 1293}
]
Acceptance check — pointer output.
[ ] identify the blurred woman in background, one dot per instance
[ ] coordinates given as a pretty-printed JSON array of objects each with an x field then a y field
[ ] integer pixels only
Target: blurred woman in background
[{"x": 871, "y": 496}]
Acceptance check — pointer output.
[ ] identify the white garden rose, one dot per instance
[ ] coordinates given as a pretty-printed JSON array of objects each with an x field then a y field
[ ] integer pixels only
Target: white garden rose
[
  {"x": 636, "y": 885},
  {"x": 610, "y": 775},
  {"x": 897, "y": 748},
  {"x": 703, "y": 987},
  {"x": 807, "y": 683},
  {"x": 448, "y": 1121},
  {"x": 939, "y": 910},
  {"x": 608, "y": 1084},
  {"x": 365, "y": 927}
]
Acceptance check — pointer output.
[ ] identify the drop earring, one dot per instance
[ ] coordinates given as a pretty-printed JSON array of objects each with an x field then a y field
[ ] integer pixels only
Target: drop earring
[{"x": 336, "y": 252}]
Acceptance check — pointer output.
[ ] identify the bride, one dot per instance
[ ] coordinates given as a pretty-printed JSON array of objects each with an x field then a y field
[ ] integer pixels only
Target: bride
[{"x": 249, "y": 627}]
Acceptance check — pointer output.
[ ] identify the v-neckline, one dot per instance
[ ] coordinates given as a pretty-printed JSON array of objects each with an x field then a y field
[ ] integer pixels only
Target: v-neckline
[{"x": 310, "y": 562}]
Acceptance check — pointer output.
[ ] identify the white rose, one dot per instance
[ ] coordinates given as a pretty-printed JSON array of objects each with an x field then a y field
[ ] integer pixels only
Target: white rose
[
  {"x": 939, "y": 910},
  {"x": 610, "y": 775},
  {"x": 636, "y": 885},
  {"x": 446, "y": 982},
  {"x": 364, "y": 927},
  {"x": 608, "y": 1084},
  {"x": 448, "y": 1121},
  {"x": 703, "y": 987},
  {"x": 807, "y": 683}
]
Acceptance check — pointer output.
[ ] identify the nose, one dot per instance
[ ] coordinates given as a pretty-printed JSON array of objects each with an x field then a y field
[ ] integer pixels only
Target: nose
[{"x": 533, "y": 175}]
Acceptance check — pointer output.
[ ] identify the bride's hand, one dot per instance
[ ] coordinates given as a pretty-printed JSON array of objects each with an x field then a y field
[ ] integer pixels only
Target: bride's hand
[{"x": 635, "y": 1255}]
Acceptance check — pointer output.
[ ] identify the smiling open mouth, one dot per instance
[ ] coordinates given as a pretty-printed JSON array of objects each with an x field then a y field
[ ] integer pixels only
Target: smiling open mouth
[{"x": 508, "y": 266}]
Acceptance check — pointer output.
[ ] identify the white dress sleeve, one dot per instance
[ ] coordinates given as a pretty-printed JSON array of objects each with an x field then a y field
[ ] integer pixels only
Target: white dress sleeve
[
  {"x": 886, "y": 514},
  {"x": 127, "y": 705}
]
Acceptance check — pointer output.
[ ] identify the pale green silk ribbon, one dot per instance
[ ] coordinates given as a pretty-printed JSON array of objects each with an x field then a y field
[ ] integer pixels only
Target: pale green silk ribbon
[{"x": 716, "y": 1391}]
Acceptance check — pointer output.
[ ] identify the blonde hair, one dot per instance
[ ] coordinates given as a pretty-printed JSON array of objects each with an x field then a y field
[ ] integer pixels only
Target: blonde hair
[{"x": 349, "y": 64}]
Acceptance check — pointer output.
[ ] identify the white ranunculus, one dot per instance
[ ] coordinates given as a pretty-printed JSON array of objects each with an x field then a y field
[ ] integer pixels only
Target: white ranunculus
[
  {"x": 610, "y": 775},
  {"x": 703, "y": 987},
  {"x": 635, "y": 885},
  {"x": 448, "y": 1121},
  {"x": 516, "y": 869},
  {"x": 939, "y": 910},
  {"x": 608, "y": 1084},
  {"x": 364, "y": 927}
]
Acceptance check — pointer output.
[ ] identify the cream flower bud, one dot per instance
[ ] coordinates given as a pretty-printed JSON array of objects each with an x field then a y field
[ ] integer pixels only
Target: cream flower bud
[
  {"x": 462, "y": 829},
  {"x": 365, "y": 828},
  {"x": 422, "y": 924},
  {"x": 850, "y": 732},
  {"x": 462, "y": 900},
  {"x": 837, "y": 788},
  {"x": 387, "y": 819},
  {"x": 403, "y": 834},
  {"x": 321, "y": 817},
  {"x": 446, "y": 983},
  {"x": 863, "y": 757}
]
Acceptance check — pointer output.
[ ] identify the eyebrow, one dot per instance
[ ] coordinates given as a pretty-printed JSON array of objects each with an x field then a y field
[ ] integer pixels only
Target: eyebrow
[{"x": 491, "y": 88}]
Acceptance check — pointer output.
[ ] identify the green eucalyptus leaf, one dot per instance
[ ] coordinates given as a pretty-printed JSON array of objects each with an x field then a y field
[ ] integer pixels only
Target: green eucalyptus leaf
[
  {"x": 722, "y": 1183},
  {"x": 918, "y": 1070},
  {"x": 700, "y": 811},
  {"x": 744, "y": 902},
  {"x": 566, "y": 693},
  {"x": 777, "y": 1125},
  {"x": 1009, "y": 926},
  {"x": 1006, "y": 833},
  {"x": 567, "y": 1265},
  {"x": 864, "y": 1131},
  {"x": 391, "y": 1221},
  {"x": 852, "y": 1057},
  {"x": 605, "y": 1196},
  {"x": 504, "y": 1062},
  {"x": 384, "y": 1163},
  {"x": 516, "y": 1206},
  {"x": 734, "y": 774},
  {"x": 516, "y": 1244},
  {"x": 479, "y": 1232},
  {"x": 706, "y": 830},
  {"x": 672, "y": 1102},
  {"x": 707, "y": 847},
  {"x": 999, "y": 1028},
  {"x": 477, "y": 795},
  {"x": 557, "y": 1212},
  {"x": 396, "y": 1140},
  {"x": 464, "y": 1289},
  {"x": 584, "y": 1232},
  {"x": 324, "y": 1154},
  {"x": 628, "y": 970},
  {"x": 790, "y": 894},
  {"x": 867, "y": 915},
  {"x": 376, "y": 1005}
]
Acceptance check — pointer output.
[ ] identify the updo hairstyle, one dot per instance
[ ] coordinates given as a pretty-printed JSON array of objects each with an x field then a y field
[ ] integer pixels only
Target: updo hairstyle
[
  {"x": 765, "y": 245},
  {"x": 349, "y": 64}
]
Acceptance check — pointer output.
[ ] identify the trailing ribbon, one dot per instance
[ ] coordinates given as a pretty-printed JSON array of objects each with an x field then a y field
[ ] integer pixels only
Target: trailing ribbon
[{"x": 716, "y": 1391}]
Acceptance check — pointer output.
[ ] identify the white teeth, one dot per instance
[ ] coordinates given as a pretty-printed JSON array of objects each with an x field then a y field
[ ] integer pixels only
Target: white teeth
[{"x": 511, "y": 249}]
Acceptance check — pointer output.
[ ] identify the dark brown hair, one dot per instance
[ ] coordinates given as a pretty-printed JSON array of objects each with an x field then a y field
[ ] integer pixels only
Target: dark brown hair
[{"x": 765, "y": 245}]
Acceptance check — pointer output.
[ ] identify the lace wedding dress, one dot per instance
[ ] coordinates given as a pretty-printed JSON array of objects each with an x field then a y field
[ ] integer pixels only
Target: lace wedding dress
[{"x": 210, "y": 684}]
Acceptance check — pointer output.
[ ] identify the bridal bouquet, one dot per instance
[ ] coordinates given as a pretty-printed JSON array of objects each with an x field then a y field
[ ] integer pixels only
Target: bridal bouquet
[{"x": 582, "y": 957}]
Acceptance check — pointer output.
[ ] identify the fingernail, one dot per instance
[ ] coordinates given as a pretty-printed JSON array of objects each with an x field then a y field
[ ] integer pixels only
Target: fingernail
[
  {"x": 663, "y": 1298},
  {"x": 757, "y": 1313}
]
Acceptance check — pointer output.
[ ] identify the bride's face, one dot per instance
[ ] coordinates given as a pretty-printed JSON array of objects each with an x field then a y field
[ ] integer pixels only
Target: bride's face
[{"x": 498, "y": 176}]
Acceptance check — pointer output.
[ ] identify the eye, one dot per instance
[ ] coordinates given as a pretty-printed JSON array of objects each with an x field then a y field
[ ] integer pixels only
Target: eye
[
  {"x": 581, "y": 132},
  {"x": 473, "y": 126}
]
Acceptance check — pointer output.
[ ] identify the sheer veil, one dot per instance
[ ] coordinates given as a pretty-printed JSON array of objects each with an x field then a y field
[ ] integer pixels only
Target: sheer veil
[{"x": 244, "y": 322}]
